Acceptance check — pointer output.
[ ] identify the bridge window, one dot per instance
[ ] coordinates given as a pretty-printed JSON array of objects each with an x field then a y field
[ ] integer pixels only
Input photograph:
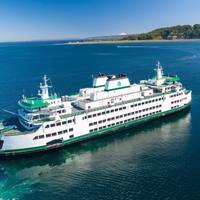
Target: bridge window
[{"x": 35, "y": 117}]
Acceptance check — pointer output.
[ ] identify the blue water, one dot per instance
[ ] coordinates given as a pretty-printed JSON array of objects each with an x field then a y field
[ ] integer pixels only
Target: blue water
[{"x": 160, "y": 160}]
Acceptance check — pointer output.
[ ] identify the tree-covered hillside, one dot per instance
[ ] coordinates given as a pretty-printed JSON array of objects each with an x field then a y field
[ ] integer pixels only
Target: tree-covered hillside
[{"x": 174, "y": 32}]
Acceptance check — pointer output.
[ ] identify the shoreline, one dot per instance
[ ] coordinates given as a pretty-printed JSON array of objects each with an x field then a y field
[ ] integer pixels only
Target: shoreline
[{"x": 128, "y": 41}]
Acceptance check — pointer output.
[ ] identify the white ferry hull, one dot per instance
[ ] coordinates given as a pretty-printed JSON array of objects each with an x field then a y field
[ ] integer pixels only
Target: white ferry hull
[{"x": 30, "y": 149}]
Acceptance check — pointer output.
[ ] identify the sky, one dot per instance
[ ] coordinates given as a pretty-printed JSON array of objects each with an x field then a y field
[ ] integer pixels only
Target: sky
[{"x": 22, "y": 20}]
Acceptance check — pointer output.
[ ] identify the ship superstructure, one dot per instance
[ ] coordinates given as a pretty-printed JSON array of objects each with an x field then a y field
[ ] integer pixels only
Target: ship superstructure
[{"x": 49, "y": 121}]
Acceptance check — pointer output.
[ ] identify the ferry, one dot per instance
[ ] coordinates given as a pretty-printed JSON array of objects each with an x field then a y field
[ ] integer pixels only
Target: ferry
[{"x": 48, "y": 121}]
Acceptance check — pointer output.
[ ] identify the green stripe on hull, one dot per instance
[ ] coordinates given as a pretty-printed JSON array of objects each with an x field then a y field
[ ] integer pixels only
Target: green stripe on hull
[{"x": 93, "y": 134}]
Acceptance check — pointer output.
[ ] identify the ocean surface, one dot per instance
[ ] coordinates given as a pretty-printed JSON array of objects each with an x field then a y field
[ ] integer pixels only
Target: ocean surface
[{"x": 158, "y": 160}]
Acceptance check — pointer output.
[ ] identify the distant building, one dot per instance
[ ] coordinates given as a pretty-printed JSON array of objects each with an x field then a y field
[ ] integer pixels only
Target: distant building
[{"x": 172, "y": 37}]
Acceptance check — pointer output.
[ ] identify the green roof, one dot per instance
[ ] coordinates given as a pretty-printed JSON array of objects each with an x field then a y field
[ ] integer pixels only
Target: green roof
[
  {"x": 33, "y": 103},
  {"x": 171, "y": 78}
]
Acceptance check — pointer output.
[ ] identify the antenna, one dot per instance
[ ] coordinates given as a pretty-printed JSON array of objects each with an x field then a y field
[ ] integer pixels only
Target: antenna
[
  {"x": 159, "y": 71},
  {"x": 44, "y": 88},
  {"x": 158, "y": 64}
]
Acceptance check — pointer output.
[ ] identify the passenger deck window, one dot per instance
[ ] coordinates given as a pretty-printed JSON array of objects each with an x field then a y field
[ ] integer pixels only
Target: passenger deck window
[
  {"x": 35, "y": 138},
  {"x": 60, "y": 132},
  {"x": 41, "y": 136}
]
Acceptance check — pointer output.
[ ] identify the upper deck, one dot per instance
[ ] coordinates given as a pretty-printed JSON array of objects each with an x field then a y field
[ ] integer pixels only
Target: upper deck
[{"x": 19, "y": 130}]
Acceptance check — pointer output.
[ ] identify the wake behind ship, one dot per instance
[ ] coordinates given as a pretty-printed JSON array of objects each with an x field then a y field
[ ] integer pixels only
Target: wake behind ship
[{"x": 48, "y": 121}]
